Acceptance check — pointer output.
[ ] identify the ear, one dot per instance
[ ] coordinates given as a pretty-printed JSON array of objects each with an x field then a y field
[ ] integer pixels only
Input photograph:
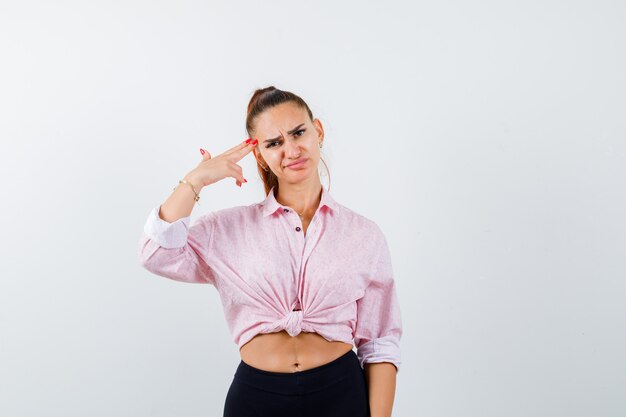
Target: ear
[
  {"x": 320, "y": 129},
  {"x": 257, "y": 156}
]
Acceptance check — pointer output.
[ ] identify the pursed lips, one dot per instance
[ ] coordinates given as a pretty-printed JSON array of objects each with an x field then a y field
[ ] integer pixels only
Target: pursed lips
[{"x": 297, "y": 161}]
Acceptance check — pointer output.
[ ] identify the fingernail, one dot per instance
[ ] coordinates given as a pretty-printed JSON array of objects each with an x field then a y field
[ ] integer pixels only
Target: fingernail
[
  {"x": 248, "y": 140},
  {"x": 202, "y": 151},
  {"x": 238, "y": 183},
  {"x": 245, "y": 180},
  {"x": 255, "y": 142}
]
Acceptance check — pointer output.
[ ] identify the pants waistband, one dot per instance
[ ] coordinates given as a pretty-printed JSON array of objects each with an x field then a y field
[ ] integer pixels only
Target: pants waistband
[{"x": 296, "y": 383}]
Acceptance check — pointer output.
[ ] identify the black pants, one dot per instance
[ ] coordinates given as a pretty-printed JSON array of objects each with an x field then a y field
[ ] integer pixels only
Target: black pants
[{"x": 335, "y": 389}]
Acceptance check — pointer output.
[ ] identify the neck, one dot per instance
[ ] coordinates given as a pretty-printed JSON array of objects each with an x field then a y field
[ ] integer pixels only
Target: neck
[{"x": 304, "y": 198}]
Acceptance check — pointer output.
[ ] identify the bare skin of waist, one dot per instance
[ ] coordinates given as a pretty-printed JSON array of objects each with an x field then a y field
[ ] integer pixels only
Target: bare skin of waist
[{"x": 280, "y": 352}]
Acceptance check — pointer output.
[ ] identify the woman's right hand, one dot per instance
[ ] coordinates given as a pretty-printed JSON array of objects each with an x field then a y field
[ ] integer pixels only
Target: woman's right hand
[{"x": 211, "y": 170}]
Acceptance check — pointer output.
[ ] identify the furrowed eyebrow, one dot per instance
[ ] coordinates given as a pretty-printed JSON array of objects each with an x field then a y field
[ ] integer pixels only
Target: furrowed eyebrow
[{"x": 291, "y": 132}]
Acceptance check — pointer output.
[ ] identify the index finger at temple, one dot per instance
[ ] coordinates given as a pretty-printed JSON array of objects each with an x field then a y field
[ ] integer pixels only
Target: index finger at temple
[
  {"x": 240, "y": 153},
  {"x": 238, "y": 146}
]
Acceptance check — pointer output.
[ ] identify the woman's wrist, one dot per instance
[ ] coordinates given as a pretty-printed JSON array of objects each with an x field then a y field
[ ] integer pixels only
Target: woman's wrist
[{"x": 194, "y": 180}]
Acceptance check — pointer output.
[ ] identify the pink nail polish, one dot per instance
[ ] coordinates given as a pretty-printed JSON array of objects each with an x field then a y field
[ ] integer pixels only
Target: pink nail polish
[{"x": 202, "y": 151}]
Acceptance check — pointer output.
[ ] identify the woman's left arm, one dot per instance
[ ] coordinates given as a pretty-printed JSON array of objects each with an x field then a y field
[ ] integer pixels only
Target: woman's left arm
[
  {"x": 381, "y": 385},
  {"x": 378, "y": 332}
]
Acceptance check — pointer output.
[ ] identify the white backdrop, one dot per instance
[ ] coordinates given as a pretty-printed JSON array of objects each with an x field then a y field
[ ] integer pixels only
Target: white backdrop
[{"x": 487, "y": 139}]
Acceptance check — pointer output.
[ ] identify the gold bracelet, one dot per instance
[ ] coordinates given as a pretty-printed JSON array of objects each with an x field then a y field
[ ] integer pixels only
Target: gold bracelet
[{"x": 197, "y": 197}]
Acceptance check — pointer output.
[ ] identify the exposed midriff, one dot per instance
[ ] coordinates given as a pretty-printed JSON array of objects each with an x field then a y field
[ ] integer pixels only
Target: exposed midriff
[{"x": 280, "y": 352}]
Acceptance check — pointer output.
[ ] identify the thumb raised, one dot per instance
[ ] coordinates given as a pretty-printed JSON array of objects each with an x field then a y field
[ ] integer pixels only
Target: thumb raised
[{"x": 205, "y": 154}]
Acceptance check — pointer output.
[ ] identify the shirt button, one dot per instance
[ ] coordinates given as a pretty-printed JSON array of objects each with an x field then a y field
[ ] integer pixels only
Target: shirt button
[
  {"x": 298, "y": 228},
  {"x": 286, "y": 210}
]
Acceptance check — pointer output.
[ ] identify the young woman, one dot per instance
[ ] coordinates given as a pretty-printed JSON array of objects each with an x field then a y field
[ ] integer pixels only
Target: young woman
[{"x": 302, "y": 278}]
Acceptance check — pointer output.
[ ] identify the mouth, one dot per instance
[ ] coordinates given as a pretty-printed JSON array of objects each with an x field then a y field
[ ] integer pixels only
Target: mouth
[{"x": 297, "y": 163}]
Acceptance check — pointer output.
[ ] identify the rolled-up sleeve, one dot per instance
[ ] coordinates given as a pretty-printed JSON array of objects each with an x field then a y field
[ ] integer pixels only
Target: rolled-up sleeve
[
  {"x": 379, "y": 323},
  {"x": 176, "y": 250}
]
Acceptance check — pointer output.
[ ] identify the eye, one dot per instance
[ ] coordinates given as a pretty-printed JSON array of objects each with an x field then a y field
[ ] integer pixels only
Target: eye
[{"x": 271, "y": 144}]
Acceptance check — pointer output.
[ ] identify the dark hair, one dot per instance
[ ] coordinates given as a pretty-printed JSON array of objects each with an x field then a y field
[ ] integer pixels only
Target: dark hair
[{"x": 262, "y": 100}]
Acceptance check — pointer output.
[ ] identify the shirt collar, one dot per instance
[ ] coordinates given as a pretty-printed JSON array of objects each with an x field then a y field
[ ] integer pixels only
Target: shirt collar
[{"x": 270, "y": 204}]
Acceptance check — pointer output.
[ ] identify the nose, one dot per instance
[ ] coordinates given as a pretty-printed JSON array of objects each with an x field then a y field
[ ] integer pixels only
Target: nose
[{"x": 292, "y": 150}]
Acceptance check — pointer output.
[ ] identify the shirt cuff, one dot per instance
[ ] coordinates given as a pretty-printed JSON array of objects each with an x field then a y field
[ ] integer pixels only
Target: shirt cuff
[
  {"x": 383, "y": 349},
  {"x": 167, "y": 235}
]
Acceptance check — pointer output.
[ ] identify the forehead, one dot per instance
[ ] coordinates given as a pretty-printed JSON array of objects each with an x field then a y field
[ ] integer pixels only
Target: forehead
[{"x": 280, "y": 119}]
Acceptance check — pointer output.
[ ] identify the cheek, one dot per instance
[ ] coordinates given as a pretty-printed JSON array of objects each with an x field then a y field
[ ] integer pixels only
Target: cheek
[{"x": 271, "y": 157}]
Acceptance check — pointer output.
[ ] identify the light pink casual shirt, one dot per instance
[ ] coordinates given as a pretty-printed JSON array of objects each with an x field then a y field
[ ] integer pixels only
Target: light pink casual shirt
[{"x": 337, "y": 280}]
